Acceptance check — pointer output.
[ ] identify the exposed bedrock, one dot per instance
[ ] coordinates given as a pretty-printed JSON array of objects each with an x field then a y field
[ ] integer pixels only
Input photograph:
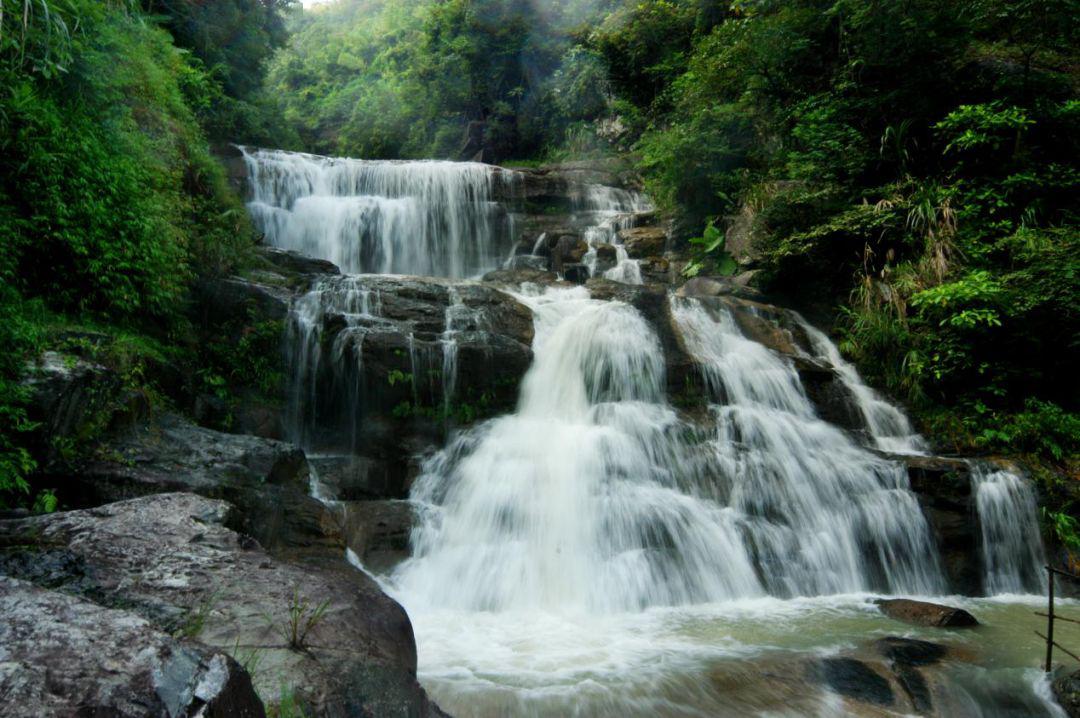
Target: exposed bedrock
[
  {"x": 65, "y": 656},
  {"x": 171, "y": 560}
]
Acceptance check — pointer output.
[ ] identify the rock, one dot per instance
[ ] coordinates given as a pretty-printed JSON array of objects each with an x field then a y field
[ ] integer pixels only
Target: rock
[
  {"x": 570, "y": 249},
  {"x": 656, "y": 269},
  {"x": 71, "y": 399},
  {"x": 170, "y": 559},
  {"x": 644, "y": 241},
  {"x": 359, "y": 478},
  {"x": 921, "y": 613},
  {"x": 738, "y": 285},
  {"x": 576, "y": 273},
  {"x": 63, "y": 656},
  {"x": 239, "y": 301},
  {"x": 295, "y": 263},
  {"x": 514, "y": 278},
  {"x": 606, "y": 252},
  {"x": 910, "y": 651},
  {"x": 853, "y": 679},
  {"x": 378, "y": 532},
  {"x": 266, "y": 479},
  {"x": 943, "y": 487},
  {"x": 832, "y": 399},
  {"x": 528, "y": 262},
  {"x": 1066, "y": 686}
]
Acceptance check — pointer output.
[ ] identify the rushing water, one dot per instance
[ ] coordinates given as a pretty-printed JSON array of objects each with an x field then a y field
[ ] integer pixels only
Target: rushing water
[
  {"x": 596, "y": 553},
  {"x": 425, "y": 218}
]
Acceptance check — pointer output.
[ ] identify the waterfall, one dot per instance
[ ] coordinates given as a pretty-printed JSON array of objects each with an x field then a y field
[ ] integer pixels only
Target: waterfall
[
  {"x": 426, "y": 218},
  {"x": 1010, "y": 543},
  {"x": 888, "y": 427},
  {"x": 610, "y": 210},
  {"x": 589, "y": 497}
]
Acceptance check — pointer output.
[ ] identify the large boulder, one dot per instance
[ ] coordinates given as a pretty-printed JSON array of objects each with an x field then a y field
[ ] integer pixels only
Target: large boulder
[
  {"x": 63, "y": 656},
  {"x": 922, "y": 613},
  {"x": 319, "y": 630},
  {"x": 267, "y": 480}
]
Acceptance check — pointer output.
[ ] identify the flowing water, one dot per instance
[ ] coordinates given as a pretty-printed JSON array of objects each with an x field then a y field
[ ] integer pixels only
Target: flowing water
[
  {"x": 424, "y": 218},
  {"x": 596, "y": 553}
]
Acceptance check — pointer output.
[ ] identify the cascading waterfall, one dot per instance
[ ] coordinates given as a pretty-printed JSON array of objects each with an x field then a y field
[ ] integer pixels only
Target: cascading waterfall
[
  {"x": 1010, "y": 542},
  {"x": 426, "y": 218},
  {"x": 587, "y": 498},
  {"x": 596, "y": 552},
  {"x": 887, "y": 426},
  {"x": 611, "y": 210}
]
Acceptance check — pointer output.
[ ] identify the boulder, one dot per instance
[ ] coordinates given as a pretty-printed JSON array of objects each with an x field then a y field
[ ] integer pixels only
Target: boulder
[
  {"x": 240, "y": 301},
  {"x": 266, "y": 479},
  {"x": 922, "y": 613},
  {"x": 514, "y": 278},
  {"x": 644, "y": 241},
  {"x": 170, "y": 559},
  {"x": 63, "y": 656},
  {"x": 295, "y": 263},
  {"x": 853, "y": 679}
]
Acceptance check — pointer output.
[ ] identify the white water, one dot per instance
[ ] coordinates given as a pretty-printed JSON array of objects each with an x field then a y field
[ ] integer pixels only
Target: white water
[
  {"x": 887, "y": 425},
  {"x": 1010, "y": 542},
  {"x": 611, "y": 210},
  {"x": 425, "y": 218}
]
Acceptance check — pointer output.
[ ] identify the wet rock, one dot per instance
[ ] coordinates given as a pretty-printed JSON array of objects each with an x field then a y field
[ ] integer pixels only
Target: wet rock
[
  {"x": 910, "y": 651},
  {"x": 378, "y": 532},
  {"x": 514, "y": 278},
  {"x": 1066, "y": 686},
  {"x": 296, "y": 263},
  {"x": 853, "y": 679},
  {"x": 922, "y": 613},
  {"x": 943, "y": 487},
  {"x": 70, "y": 398},
  {"x": 359, "y": 478},
  {"x": 568, "y": 250},
  {"x": 832, "y": 399},
  {"x": 576, "y": 273},
  {"x": 266, "y": 479},
  {"x": 644, "y": 241},
  {"x": 170, "y": 559},
  {"x": 63, "y": 656},
  {"x": 656, "y": 269},
  {"x": 528, "y": 262},
  {"x": 239, "y": 301}
]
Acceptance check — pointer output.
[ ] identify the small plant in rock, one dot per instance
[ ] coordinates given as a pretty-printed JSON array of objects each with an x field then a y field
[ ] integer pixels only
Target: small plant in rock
[
  {"x": 301, "y": 619},
  {"x": 195, "y": 620}
]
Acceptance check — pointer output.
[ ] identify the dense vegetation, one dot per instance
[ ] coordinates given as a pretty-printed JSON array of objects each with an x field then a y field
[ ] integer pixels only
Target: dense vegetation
[
  {"x": 111, "y": 204},
  {"x": 909, "y": 169}
]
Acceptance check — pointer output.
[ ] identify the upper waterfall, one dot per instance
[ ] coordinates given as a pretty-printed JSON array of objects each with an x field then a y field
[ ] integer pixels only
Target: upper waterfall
[{"x": 428, "y": 218}]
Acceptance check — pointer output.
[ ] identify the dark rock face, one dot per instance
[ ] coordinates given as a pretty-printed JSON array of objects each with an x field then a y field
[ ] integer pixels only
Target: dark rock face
[
  {"x": 921, "y": 613},
  {"x": 70, "y": 398},
  {"x": 853, "y": 679},
  {"x": 267, "y": 480},
  {"x": 1067, "y": 691},
  {"x": 378, "y": 531},
  {"x": 943, "y": 487},
  {"x": 429, "y": 355},
  {"x": 64, "y": 656},
  {"x": 170, "y": 559}
]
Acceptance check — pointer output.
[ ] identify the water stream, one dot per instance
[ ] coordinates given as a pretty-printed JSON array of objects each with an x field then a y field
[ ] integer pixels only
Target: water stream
[{"x": 596, "y": 552}]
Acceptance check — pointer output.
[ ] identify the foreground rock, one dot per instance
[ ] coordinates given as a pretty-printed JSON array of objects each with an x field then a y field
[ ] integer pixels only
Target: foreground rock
[
  {"x": 62, "y": 656},
  {"x": 267, "y": 480},
  {"x": 170, "y": 559},
  {"x": 1066, "y": 688},
  {"x": 921, "y": 613}
]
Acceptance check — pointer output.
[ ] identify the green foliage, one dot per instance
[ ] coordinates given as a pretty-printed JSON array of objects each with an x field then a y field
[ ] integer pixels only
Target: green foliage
[
  {"x": 110, "y": 202},
  {"x": 302, "y": 617}
]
